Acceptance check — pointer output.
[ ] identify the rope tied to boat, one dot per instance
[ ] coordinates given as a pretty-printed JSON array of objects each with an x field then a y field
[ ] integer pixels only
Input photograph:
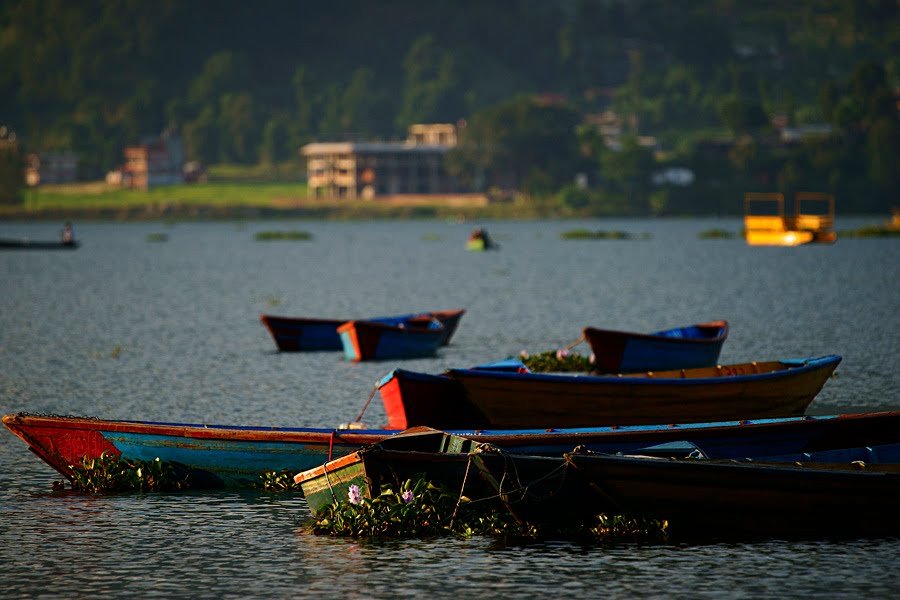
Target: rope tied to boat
[
  {"x": 371, "y": 395},
  {"x": 511, "y": 474},
  {"x": 575, "y": 343}
]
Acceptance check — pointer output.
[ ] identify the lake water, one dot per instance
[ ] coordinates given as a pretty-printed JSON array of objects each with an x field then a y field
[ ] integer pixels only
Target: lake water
[{"x": 127, "y": 328}]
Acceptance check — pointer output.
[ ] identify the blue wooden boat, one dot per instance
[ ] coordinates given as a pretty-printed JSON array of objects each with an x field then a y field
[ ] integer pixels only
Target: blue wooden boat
[
  {"x": 293, "y": 334},
  {"x": 373, "y": 340},
  {"x": 504, "y": 396},
  {"x": 680, "y": 348},
  {"x": 217, "y": 455}
]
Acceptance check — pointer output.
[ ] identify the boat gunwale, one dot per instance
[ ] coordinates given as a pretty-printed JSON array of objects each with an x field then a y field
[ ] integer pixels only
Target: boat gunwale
[{"x": 658, "y": 336}]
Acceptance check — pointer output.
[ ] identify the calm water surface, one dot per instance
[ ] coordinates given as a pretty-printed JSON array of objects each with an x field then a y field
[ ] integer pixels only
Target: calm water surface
[{"x": 125, "y": 328}]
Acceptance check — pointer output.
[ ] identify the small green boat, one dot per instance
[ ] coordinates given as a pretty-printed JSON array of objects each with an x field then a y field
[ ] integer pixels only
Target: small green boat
[{"x": 439, "y": 457}]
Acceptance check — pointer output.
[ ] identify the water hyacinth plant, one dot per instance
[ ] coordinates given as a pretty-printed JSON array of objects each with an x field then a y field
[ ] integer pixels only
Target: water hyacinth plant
[
  {"x": 110, "y": 474},
  {"x": 557, "y": 361},
  {"x": 278, "y": 481},
  {"x": 417, "y": 509},
  {"x": 421, "y": 509}
]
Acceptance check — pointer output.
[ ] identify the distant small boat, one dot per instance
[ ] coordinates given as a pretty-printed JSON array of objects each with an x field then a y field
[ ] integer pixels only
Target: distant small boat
[
  {"x": 27, "y": 244},
  {"x": 681, "y": 348},
  {"x": 294, "y": 334},
  {"x": 372, "y": 340},
  {"x": 479, "y": 240},
  {"x": 517, "y": 399}
]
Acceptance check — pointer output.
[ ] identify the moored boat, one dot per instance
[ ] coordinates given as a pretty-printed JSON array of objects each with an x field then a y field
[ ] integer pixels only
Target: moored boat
[
  {"x": 293, "y": 334},
  {"x": 29, "y": 244},
  {"x": 521, "y": 399},
  {"x": 680, "y": 348},
  {"x": 372, "y": 340},
  {"x": 236, "y": 456},
  {"x": 438, "y": 456},
  {"x": 727, "y": 498}
]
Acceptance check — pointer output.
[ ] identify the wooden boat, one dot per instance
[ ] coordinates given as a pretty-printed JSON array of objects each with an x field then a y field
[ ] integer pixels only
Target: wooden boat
[
  {"x": 236, "y": 456},
  {"x": 440, "y": 457},
  {"x": 372, "y": 340},
  {"x": 292, "y": 334},
  {"x": 699, "y": 497},
  {"x": 521, "y": 400},
  {"x": 765, "y": 222},
  {"x": 680, "y": 348},
  {"x": 28, "y": 244}
]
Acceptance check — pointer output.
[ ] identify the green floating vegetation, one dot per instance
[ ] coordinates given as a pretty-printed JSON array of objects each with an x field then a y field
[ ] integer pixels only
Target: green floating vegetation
[
  {"x": 421, "y": 509},
  {"x": 109, "y": 474},
  {"x": 157, "y": 237},
  {"x": 418, "y": 509},
  {"x": 557, "y": 361},
  {"x": 716, "y": 234},
  {"x": 431, "y": 237},
  {"x": 278, "y": 481},
  {"x": 871, "y": 231},
  {"x": 586, "y": 234},
  {"x": 269, "y": 236}
]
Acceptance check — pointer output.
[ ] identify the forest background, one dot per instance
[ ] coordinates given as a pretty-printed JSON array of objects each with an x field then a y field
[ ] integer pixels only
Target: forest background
[{"x": 708, "y": 88}]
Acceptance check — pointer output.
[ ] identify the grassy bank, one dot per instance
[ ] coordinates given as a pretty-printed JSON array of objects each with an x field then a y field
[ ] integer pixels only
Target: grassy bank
[{"x": 238, "y": 197}]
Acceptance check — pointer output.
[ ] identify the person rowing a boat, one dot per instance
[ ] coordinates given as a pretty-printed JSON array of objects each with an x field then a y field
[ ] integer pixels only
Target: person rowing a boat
[{"x": 67, "y": 236}]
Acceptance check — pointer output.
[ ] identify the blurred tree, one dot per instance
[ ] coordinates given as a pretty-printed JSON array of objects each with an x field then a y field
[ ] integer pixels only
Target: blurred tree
[
  {"x": 237, "y": 122},
  {"x": 11, "y": 170},
  {"x": 517, "y": 141},
  {"x": 429, "y": 79},
  {"x": 627, "y": 171},
  {"x": 275, "y": 146},
  {"x": 201, "y": 137}
]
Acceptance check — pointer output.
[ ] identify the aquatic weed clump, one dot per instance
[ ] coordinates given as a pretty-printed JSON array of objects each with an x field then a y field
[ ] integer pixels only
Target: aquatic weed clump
[
  {"x": 422, "y": 509},
  {"x": 627, "y": 528},
  {"x": 269, "y": 236},
  {"x": 109, "y": 474},
  {"x": 278, "y": 481},
  {"x": 586, "y": 234},
  {"x": 418, "y": 509},
  {"x": 557, "y": 361}
]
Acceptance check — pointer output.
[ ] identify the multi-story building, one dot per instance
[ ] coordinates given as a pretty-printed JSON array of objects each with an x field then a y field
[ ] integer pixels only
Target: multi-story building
[
  {"x": 153, "y": 162},
  {"x": 365, "y": 170},
  {"x": 51, "y": 167}
]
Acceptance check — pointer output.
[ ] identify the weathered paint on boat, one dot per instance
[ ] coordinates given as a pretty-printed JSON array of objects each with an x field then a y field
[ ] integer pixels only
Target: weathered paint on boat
[
  {"x": 293, "y": 334},
  {"x": 437, "y": 455},
  {"x": 218, "y": 455},
  {"x": 720, "y": 498},
  {"x": 749, "y": 390},
  {"x": 370, "y": 340},
  {"x": 680, "y": 348}
]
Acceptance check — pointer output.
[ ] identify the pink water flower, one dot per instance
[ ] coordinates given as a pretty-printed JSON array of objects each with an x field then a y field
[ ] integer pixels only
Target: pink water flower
[
  {"x": 523, "y": 353},
  {"x": 562, "y": 354},
  {"x": 354, "y": 494},
  {"x": 407, "y": 496}
]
